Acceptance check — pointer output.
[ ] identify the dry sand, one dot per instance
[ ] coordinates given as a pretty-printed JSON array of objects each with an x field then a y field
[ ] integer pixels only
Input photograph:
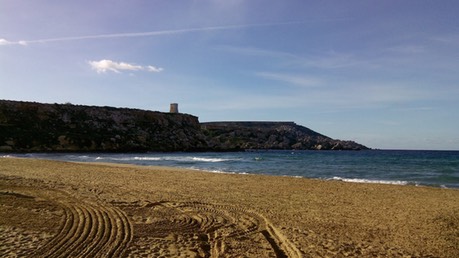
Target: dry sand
[{"x": 63, "y": 209}]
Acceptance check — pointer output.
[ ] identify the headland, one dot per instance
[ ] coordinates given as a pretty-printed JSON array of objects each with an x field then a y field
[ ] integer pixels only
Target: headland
[{"x": 38, "y": 127}]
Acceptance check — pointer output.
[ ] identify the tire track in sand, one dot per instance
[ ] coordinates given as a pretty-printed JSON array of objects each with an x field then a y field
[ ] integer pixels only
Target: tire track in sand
[
  {"x": 88, "y": 230},
  {"x": 205, "y": 230},
  {"x": 256, "y": 222}
]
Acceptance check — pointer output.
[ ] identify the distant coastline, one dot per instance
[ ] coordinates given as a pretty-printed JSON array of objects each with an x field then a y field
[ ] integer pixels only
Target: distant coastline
[{"x": 38, "y": 127}]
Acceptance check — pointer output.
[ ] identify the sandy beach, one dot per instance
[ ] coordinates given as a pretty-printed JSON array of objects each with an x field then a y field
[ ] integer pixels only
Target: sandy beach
[{"x": 64, "y": 209}]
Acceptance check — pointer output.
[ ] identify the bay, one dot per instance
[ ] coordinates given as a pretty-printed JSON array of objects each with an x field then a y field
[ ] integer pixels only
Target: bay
[{"x": 402, "y": 167}]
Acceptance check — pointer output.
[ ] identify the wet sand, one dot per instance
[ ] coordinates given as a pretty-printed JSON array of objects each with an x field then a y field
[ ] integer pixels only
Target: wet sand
[{"x": 64, "y": 209}]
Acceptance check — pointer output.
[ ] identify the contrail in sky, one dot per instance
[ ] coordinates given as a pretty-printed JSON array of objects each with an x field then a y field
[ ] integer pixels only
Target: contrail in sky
[{"x": 146, "y": 34}]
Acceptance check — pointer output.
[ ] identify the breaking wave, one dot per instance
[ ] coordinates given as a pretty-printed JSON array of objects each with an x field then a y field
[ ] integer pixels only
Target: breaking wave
[
  {"x": 423, "y": 168},
  {"x": 371, "y": 181}
]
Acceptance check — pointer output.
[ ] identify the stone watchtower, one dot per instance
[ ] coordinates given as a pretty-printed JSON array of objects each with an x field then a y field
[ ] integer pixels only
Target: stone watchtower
[{"x": 174, "y": 108}]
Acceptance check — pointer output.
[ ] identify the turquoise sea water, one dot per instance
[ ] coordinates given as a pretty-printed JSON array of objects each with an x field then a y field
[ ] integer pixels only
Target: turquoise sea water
[{"x": 430, "y": 168}]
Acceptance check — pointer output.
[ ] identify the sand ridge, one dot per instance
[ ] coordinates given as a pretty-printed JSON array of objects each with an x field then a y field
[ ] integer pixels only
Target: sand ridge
[{"x": 63, "y": 209}]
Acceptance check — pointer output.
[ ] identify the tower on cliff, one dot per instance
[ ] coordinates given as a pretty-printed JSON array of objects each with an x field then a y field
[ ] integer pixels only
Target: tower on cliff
[{"x": 174, "y": 108}]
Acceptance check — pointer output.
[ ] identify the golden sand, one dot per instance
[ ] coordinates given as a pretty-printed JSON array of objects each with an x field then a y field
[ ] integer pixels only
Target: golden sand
[{"x": 63, "y": 209}]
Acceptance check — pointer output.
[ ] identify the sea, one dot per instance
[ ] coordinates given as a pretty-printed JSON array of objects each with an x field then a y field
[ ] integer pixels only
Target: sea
[{"x": 398, "y": 167}]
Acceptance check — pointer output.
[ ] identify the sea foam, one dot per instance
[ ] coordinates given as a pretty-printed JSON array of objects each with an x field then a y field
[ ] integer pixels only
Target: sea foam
[
  {"x": 210, "y": 159},
  {"x": 370, "y": 181}
]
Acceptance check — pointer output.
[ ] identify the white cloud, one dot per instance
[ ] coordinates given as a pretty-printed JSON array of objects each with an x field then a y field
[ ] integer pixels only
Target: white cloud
[
  {"x": 154, "y": 69},
  {"x": 5, "y": 42},
  {"x": 323, "y": 60},
  {"x": 303, "y": 81},
  {"x": 105, "y": 65},
  {"x": 148, "y": 33},
  {"x": 448, "y": 39},
  {"x": 408, "y": 49}
]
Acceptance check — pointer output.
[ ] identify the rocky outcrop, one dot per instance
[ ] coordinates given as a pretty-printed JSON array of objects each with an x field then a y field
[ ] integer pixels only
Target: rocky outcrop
[
  {"x": 36, "y": 127},
  {"x": 26, "y": 126},
  {"x": 271, "y": 135}
]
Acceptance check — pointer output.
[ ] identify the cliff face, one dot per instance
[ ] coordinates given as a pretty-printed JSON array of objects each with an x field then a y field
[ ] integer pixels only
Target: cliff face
[
  {"x": 26, "y": 126},
  {"x": 35, "y": 127},
  {"x": 271, "y": 135}
]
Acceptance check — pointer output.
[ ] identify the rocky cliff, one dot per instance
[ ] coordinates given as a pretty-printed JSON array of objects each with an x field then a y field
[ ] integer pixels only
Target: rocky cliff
[
  {"x": 26, "y": 126},
  {"x": 36, "y": 127},
  {"x": 271, "y": 135}
]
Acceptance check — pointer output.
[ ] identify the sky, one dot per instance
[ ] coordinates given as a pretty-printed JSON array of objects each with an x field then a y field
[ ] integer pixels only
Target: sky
[{"x": 382, "y": 73}]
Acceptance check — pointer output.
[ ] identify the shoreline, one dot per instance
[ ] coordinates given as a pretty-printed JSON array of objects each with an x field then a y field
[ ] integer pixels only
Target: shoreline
[
  {"x": 230, "y": 214},
  {"x": 184, "y": 169},
  {"x": 333, "y": 178}
]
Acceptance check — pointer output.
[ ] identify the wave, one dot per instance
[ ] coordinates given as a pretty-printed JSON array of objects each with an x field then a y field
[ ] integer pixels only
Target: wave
[
  {"x": 370, "y": 181},
  {"x": 218, "y": 171},
  {"x": 166, "y": 158},
  {"x": 438, "y": 170},
  {"x": 147, "y": 158},
  {"x": 211, "y": 159}
]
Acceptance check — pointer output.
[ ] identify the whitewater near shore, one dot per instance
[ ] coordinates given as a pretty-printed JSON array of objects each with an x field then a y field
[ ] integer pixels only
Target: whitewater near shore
[{"x": 63, "y": 209}]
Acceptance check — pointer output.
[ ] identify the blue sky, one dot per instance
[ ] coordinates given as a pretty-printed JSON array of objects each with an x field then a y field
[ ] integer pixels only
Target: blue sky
[{"x": 382, "y": 73}]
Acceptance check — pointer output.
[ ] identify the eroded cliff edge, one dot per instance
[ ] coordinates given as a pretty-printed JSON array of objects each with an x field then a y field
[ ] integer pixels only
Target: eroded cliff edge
[
  {"x": 37, "y": 127},
  {"x": 271, "y": 135}
]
